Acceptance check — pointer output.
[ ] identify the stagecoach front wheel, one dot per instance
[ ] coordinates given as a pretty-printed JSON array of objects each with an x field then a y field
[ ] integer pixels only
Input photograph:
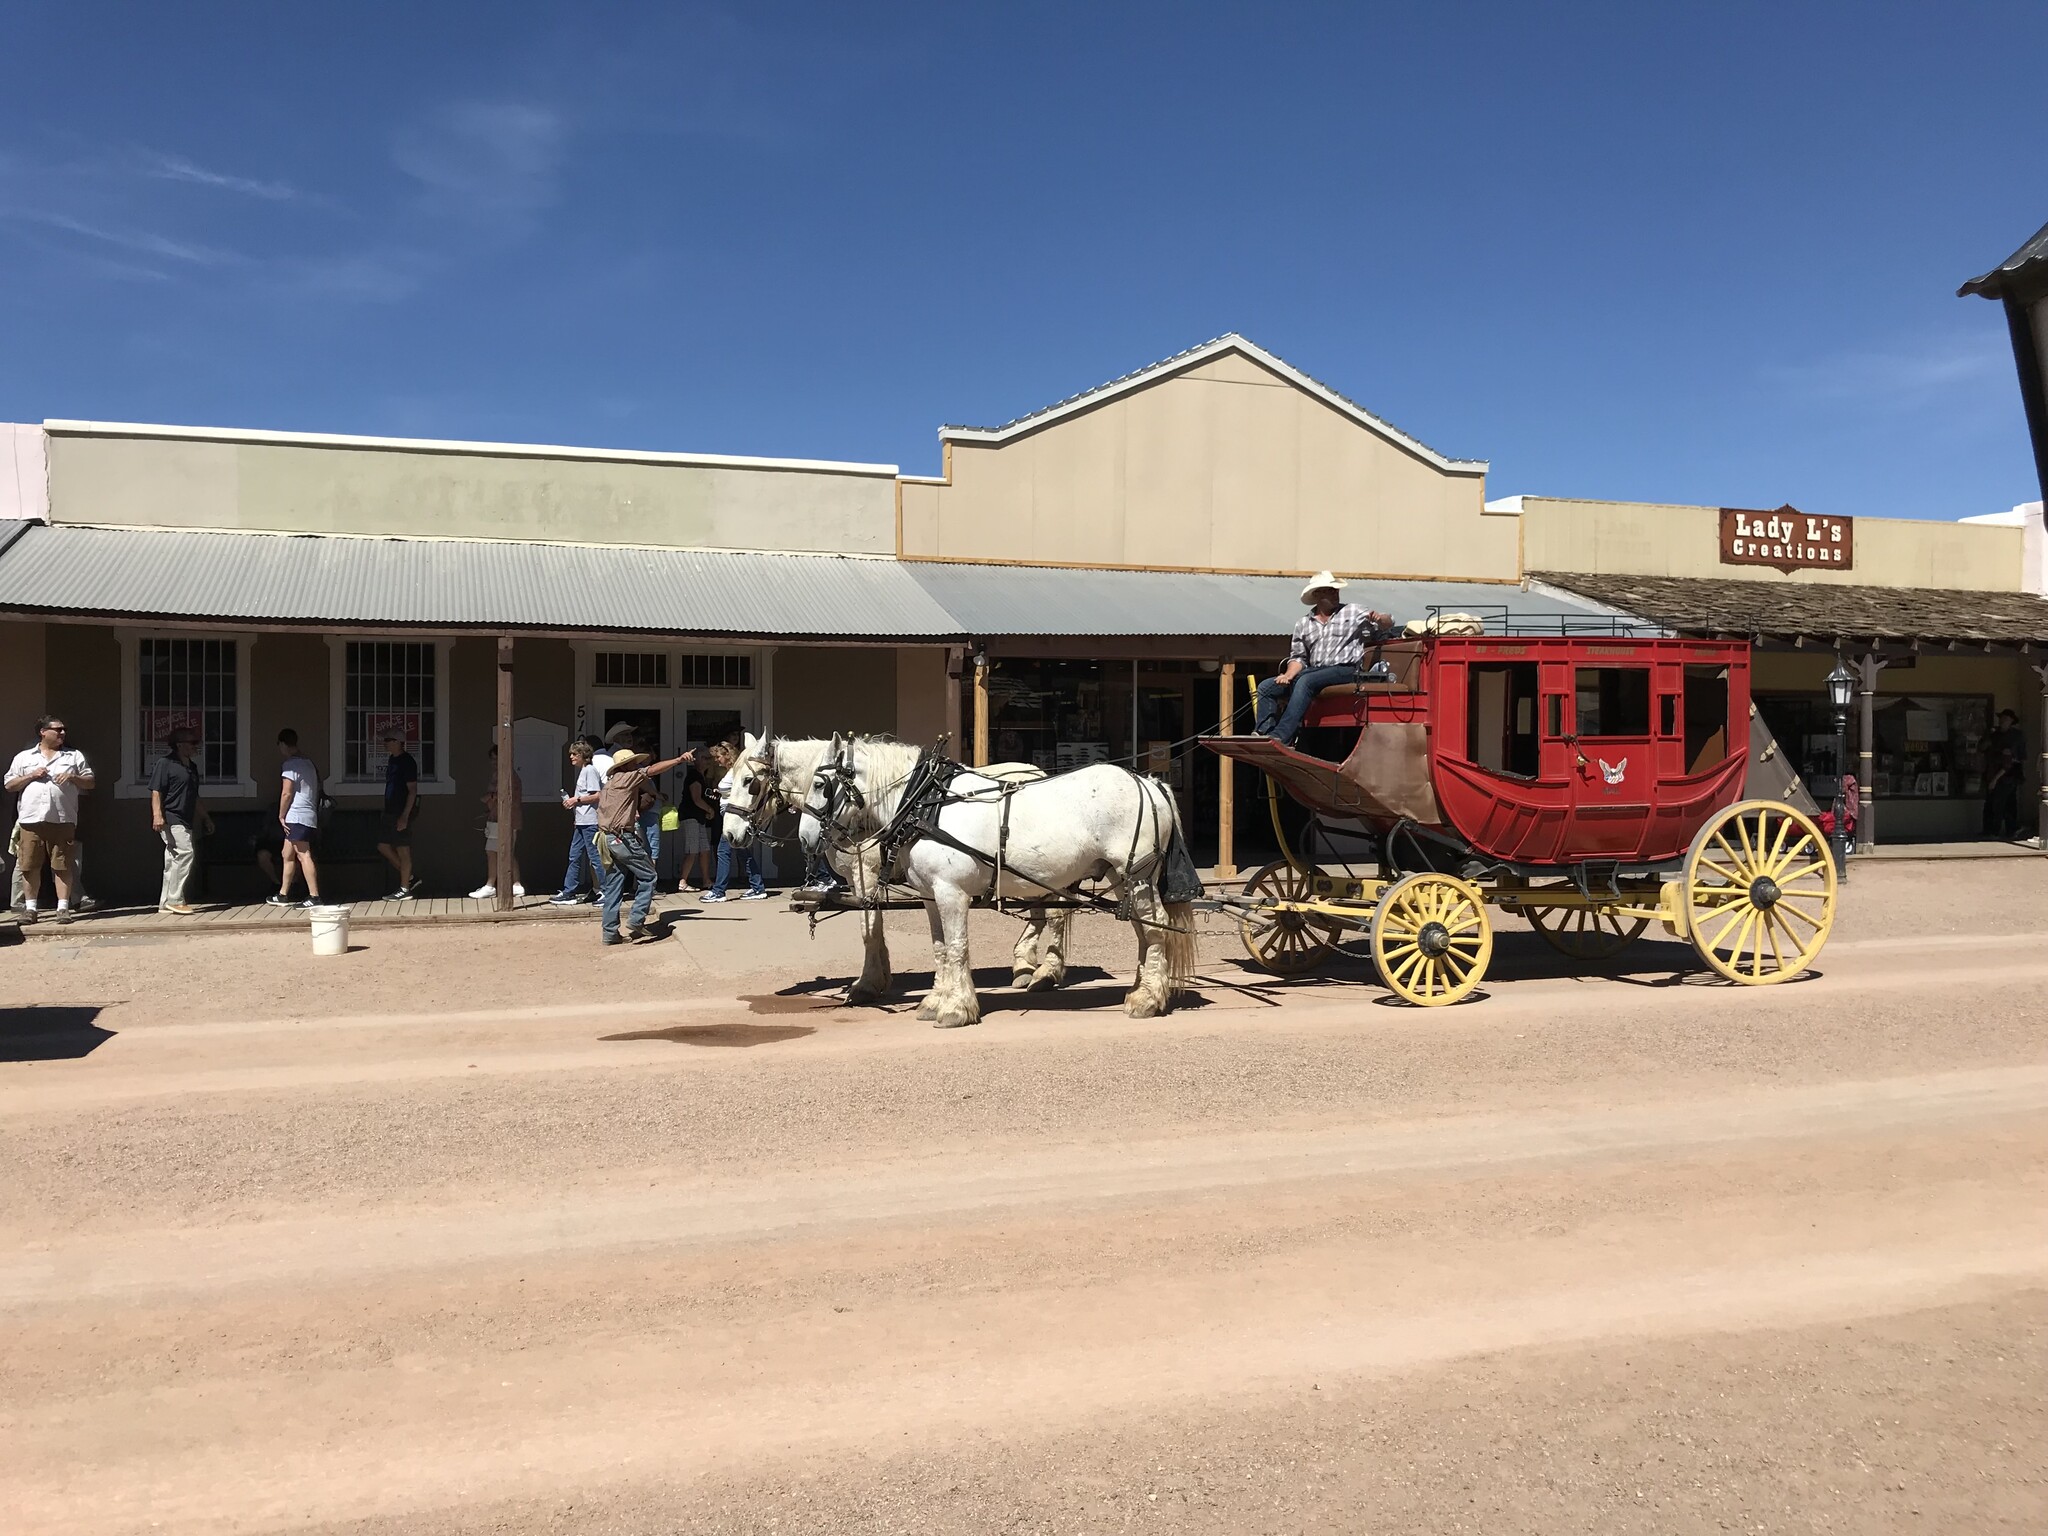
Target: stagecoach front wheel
[
  {"x": 1285, "y": 943},
  {"x": 1431, "y": 939},
  {"x": 1759, "y": 892}
]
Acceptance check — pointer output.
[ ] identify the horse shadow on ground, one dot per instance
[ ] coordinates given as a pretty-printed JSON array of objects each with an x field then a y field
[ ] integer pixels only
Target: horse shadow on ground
[
  {"x": 50, "y": 1034},
  {"x": 1086, "y": 989}
]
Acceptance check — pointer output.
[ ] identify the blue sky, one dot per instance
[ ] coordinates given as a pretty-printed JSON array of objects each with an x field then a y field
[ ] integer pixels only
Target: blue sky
[{"x": 1663, "y": 252}]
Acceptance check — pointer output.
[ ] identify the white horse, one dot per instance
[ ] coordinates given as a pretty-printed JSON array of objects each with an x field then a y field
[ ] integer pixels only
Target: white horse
[{"x": 1098, "y": 822}]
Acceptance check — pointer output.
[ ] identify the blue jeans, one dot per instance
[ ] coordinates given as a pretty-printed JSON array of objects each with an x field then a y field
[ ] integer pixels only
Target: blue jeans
[
  {"x": 582, "y": 850},
  {"x": 629, "y": 857},
  {"x": 650, "y": 829},
  {"x": 1299, "y": 695},
  {"x": 726, "y": 854}
]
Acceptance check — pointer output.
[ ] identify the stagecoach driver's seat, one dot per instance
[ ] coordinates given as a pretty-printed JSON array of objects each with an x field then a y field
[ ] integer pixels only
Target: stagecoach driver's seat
[{"x": 1328, "y": 647}]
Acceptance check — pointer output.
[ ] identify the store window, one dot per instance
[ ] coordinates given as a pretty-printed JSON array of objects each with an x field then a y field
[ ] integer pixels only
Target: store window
[
  {"x": 1927, "y": 746},
  {"x": 1613, "y": 701},
  {"x": 631, "y": 669},
  {"x": 192, "y": 685},
  {"x": 390, "y": 686},
  {"x": 713, "y": 671}
]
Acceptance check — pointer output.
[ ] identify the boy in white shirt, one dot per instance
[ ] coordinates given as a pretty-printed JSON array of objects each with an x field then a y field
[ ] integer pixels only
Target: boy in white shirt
[{"x": 298, "y": 812}]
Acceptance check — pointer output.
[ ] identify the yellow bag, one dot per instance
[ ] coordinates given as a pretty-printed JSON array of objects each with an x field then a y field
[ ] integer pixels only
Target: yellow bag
[{"x": 671, "y": 818}]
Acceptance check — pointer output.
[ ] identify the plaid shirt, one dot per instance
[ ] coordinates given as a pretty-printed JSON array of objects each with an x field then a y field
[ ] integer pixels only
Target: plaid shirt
[{"x": 1339, "y": 643}]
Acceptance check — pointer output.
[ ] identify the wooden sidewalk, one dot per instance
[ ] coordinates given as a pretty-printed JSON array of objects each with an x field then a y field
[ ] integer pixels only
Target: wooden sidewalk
[{"x": 361, "y": 914}]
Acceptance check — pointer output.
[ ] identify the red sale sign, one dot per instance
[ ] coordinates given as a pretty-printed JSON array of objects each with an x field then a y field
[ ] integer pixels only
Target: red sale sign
[{"x": 402, "y": 723}]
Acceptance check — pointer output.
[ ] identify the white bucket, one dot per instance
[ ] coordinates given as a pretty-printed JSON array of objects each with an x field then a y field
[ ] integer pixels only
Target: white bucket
[{"x": 330, "y": 930}]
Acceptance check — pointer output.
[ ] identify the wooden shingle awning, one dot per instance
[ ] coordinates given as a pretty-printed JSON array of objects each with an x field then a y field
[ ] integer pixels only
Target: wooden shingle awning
[{"x": 1809, "y": 613}]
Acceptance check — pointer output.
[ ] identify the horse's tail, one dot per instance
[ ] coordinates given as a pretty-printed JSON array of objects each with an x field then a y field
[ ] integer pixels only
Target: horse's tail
[
  {"x": 1179, "y": 884},
  {"x": 1178, "y": 938}
]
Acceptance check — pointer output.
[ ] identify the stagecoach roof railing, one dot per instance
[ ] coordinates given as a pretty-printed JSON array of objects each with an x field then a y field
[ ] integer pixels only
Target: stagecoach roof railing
[{"x": 1501, "y": 619}]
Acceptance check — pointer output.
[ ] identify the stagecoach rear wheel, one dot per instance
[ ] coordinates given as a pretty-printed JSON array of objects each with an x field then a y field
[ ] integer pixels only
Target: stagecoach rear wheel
[
  {"x": 1585, "y": 933},
  {"x": 1431, "y": 939},
  {"x": 1759, "y": 892},
  {"x": 1285, "y": 943}
]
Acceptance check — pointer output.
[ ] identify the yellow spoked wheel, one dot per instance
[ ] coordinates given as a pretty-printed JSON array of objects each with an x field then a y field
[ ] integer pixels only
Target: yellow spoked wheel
[
  {"x": 1431, "y": 939},
  {"x": 1285, "y": 943},
  {"x": 1585, "y": 933},
  {"x": 1759, "y": 892}
]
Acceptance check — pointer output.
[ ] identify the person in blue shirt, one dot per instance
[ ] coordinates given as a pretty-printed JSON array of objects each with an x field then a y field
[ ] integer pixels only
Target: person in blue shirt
[{"x": 401, "y": 801}]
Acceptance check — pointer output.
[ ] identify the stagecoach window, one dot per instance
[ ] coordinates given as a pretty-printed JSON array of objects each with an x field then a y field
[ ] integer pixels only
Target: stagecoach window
[
  {"x": 1613, "y": 701},
  {"x": 1500, "y": 717},
  {"x": 1706, "y": 718}
]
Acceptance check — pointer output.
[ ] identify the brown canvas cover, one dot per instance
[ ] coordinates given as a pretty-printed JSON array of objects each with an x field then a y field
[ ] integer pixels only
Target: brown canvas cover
[
  {"x": 1385, "y": 779},
  {"x": 1772, "y": 773}
]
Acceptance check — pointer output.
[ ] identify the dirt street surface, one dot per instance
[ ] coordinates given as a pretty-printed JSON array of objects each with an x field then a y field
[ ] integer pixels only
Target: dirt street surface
[{"x": 485, "y": 1229}]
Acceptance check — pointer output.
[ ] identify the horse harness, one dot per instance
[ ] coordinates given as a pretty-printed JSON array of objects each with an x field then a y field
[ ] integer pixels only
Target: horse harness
[{"x": 929, "y": 790}]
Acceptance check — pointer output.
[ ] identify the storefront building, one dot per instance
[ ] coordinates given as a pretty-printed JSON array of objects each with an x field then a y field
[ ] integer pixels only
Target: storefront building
[
  {"x": 1100, "y": 580},
  {"x": 1942, "y": 625}
]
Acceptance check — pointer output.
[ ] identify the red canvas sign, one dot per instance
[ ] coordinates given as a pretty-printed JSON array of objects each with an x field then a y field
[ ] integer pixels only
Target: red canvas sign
[
  {"x": 1788, "y": 539},
  {"x": 402, "y": 723},
  {"x": 157, "y": 724}
]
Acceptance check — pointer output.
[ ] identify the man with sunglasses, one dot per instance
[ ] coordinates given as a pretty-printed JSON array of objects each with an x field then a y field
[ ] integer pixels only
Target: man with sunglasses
[{"x": 49, "y": 777}]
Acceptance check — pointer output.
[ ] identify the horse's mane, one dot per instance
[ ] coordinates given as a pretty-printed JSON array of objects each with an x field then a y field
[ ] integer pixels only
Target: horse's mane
[{"x": 796, "y": 762}]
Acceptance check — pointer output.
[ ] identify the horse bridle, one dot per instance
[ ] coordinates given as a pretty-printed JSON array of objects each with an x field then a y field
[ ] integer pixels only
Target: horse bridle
[
  {"x": 764, "y": 788},
  {"x": 833, "y": 791}
]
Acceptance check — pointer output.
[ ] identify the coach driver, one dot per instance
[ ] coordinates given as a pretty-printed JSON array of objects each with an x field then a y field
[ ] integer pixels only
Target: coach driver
[{"x": 1328, "y": 647}]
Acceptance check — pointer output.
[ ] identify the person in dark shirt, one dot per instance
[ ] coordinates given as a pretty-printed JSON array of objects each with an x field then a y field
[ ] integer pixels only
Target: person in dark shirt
[
  {"x": 2005, "y": 758},
  {"x": 174, "y": 809},
  {"x": 401, "y": 800}
]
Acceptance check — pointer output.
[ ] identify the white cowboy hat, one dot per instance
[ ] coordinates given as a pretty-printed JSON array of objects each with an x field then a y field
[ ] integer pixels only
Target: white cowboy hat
[
  {"x": 623, "y": 731},
  {"x": 1317, "y": 582}
]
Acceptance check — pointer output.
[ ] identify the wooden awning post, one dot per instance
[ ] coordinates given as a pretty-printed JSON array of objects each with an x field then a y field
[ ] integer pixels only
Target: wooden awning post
[
  {"x": 980, "y": 709},
  {"x": 508, "y": 804},
  {"x": 2041, "y": 814},
  {"x": 1866, "y": 757},
  {"x": 1226, "y": 783}
]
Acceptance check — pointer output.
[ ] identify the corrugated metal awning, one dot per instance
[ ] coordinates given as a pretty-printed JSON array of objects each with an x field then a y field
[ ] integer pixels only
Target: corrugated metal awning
[
  {"x": 463, "y": 584},
  {"x": 991, "y": 600}
]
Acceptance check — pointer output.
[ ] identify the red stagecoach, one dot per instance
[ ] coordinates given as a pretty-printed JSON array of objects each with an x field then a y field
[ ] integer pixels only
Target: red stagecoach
[{"x": 1591, "y": 782}]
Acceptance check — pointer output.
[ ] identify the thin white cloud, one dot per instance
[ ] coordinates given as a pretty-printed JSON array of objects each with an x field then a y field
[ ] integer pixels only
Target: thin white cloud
[
  {"x": 177, "y": 168},
  {"x": 1902, "y": 375},
  {"x": 486, "y": 162},
  {"x": 140, "y": 241}
]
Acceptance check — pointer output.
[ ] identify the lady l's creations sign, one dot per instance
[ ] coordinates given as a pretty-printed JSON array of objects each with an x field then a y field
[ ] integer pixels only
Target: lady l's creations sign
[{"x": 1788, "y": 539}]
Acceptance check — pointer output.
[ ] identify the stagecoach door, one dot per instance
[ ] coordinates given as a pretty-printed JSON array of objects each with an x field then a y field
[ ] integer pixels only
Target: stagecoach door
[{"x": 1615, "y": 768}]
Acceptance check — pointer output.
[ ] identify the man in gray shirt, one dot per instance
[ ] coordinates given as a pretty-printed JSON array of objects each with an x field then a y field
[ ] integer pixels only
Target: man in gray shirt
[{"x": 174, "y": 809}]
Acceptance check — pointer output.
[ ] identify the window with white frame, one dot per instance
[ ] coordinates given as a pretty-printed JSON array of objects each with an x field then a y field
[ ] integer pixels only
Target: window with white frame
[
  {"x": 716, "y": 671},
  {"x": 187, "y": 684},
  {"x": 389, "y": 686},
  {"x": 631, "y": 669}
]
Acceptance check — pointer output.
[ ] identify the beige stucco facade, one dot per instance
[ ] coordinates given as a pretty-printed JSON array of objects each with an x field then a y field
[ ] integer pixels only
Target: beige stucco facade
[
  {"x": 132, "y": 477},
  {"x": 1638, "y": 538},
  {"x": 1225, "y": 465}
]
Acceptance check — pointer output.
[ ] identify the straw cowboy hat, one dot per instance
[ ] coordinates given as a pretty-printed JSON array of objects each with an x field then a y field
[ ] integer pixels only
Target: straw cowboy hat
[
  {"x": 1317, "y": 582},
  {"x": 630, "y": 759}
]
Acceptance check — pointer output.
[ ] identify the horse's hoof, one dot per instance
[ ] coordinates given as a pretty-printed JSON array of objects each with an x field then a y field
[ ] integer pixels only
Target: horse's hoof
[
  {"x": 959, "y": 1023},
  {"x": 1045, "y": 980},
  {"x": 928, "y": 1012},
  {"x": 1021, "y": 979},
  {"x": 1142, "y": 1005},
  {"x": 865, "y": 997}
]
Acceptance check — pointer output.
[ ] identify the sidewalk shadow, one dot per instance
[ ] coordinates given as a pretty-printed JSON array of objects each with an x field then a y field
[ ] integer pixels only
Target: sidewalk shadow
[{"x": 50, "y": 1034}]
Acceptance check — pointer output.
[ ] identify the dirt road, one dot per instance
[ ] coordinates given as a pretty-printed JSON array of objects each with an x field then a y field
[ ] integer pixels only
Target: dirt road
[{"x": 484, "y": 1232}]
